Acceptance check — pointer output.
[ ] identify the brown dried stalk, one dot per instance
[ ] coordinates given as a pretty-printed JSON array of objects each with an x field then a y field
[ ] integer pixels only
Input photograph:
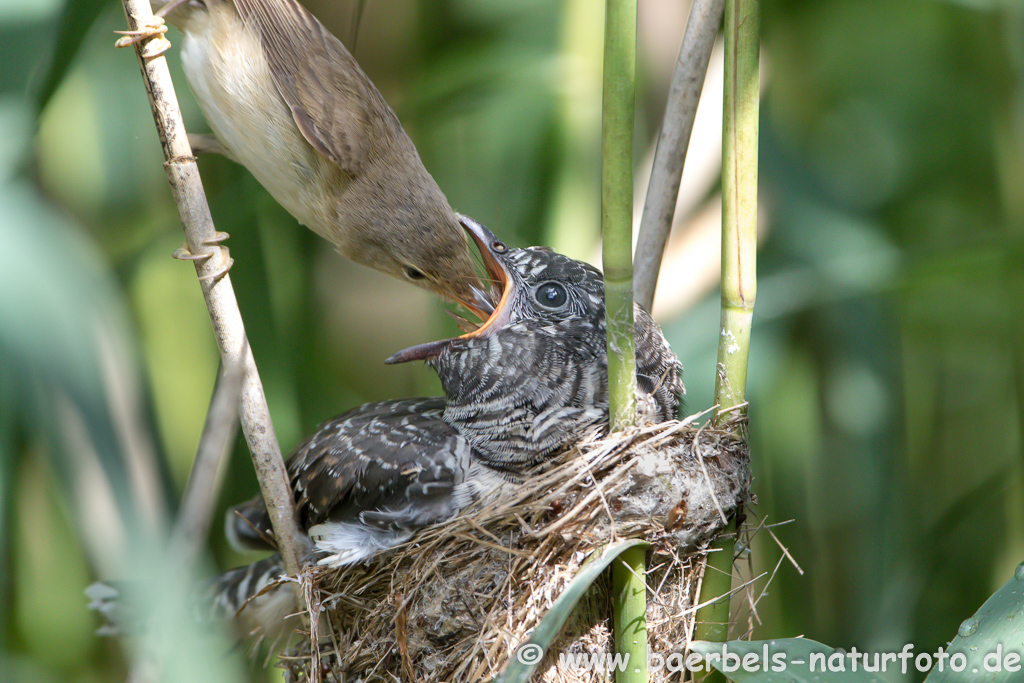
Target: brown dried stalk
[
  {"x": 201, "y": 238},
  {"x": 670, "y": 154}
]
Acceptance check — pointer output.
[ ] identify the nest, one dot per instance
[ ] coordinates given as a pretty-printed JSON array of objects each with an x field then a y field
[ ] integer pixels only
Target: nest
[{"x": 456, "y": 602}]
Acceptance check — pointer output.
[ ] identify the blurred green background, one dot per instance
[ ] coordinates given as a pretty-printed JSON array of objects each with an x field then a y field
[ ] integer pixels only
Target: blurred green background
[{"x": 887, "y": 370}]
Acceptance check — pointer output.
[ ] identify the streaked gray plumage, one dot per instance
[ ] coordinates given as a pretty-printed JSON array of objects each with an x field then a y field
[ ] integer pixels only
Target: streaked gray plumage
[
  {"x": 535, "y": 385},
  {"x": 367, "y": 479},
  {"x": 526, "y": 384}
]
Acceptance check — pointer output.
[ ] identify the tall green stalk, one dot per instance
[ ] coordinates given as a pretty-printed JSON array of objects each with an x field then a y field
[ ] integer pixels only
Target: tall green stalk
[
  {"x": 739, "y": 274},
  {"x": 739, "y": 200},
  {"x": 630, "y": 602},
  {"x": 617, "y": 205}
]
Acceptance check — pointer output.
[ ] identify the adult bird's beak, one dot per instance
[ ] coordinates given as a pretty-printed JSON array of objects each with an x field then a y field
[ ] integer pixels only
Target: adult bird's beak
[{"x": 497, "y": 315}]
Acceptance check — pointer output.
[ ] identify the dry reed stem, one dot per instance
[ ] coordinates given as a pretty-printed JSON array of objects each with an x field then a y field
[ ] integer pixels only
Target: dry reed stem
[{"x": 201, "y": 238}]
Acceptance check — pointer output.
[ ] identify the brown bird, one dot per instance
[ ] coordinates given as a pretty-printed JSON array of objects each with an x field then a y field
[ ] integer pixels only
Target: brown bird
[{"x": 286, "y": 100}]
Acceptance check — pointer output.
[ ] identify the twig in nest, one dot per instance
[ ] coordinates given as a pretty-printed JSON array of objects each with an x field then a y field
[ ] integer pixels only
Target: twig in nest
[
  {"x": 699, "y": 453},
  {"x": 402, "y": 638},
  {"x": 784, "y": 549}
]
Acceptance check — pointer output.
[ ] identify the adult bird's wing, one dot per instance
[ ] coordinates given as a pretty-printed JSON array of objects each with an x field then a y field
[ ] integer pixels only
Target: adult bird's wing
[{"x": 336, "y": 106}]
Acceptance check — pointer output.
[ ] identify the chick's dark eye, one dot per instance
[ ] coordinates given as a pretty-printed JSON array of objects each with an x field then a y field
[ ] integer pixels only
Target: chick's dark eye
[
  {"x": 551, "y": 295},
  {"x": 413, "y": 273}
]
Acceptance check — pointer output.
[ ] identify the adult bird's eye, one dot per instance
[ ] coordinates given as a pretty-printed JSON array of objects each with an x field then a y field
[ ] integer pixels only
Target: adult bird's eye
[
  {"x": 414, "y": 273},
  {"x": 551, "y": 295}
]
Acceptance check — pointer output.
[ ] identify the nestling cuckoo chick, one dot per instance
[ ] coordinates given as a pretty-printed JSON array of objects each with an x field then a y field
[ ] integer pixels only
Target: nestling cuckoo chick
[
  {"x": 525, "y": 384},
  {"x": 286, "y": 100},
  {"x": 531, "y": 380}
]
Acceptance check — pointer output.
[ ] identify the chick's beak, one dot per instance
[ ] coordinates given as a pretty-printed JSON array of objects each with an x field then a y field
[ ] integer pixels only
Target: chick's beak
[
  {"x": 472, "y": 296},
  {"x": 494, "y": 315}
]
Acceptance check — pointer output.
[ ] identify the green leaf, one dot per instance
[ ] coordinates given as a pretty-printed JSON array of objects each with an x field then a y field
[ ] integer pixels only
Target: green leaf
[
  {"x": 75, "y": 20},
  {"x": 65, "y": 334},
  {"x": 64, "y": 318},
  {"x": 787, "y": 660},
  {"x": 8, "y": 411},
  {"x": 989, "y": 646},
  {"x": 530, "y": 653}
]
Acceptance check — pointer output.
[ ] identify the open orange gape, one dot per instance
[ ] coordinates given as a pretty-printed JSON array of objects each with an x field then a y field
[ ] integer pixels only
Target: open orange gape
[{"x": 493, "y": 315}]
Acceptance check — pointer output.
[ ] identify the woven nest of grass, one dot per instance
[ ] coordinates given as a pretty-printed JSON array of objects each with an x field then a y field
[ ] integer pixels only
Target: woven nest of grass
[{"x": 456, "y": 602}]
